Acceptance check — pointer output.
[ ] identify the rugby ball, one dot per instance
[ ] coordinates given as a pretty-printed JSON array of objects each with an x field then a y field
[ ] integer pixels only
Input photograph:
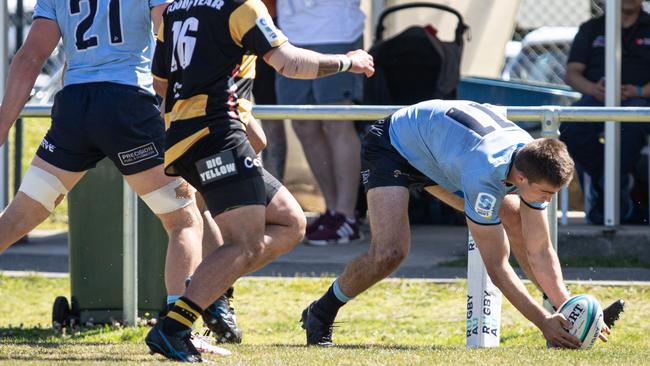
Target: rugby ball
[{"x": 586, "y": 315}]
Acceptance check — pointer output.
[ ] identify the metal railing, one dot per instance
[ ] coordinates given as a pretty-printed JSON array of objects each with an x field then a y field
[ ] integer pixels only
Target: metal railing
[{"x": 549, "y": 116}]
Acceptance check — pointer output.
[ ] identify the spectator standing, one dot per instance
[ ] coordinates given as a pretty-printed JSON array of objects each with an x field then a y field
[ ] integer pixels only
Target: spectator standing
[
  {"x": 585, "y": 73},
  {"x": 332, "y": 149}
]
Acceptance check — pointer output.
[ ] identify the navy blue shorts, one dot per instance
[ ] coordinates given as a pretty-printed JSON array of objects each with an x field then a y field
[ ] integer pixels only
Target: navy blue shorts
[
  {"x": 383, "y": 166},
  {"x": 96, "y": 120}
]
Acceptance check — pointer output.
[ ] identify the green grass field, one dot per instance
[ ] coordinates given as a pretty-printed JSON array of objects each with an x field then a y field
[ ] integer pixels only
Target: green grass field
[{"x": 399, "y": 322}]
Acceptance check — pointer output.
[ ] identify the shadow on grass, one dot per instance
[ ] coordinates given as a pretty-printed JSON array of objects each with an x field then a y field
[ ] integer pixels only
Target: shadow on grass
[
  {"x": 364, "y": 346},
  {"x": 93, "y": 358},
  {"x": 26, "y": 335}
]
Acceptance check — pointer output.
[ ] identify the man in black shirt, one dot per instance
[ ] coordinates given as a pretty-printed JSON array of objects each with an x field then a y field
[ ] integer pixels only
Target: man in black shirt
[{"x": 585, "y": 73}]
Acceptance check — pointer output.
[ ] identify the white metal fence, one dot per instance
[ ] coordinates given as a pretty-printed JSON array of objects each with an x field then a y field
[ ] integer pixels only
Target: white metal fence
[{"x": 549, "y": 116}]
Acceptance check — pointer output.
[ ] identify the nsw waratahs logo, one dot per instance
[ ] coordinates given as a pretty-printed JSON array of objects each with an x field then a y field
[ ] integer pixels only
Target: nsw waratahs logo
[{"x": 484, "y": 205}]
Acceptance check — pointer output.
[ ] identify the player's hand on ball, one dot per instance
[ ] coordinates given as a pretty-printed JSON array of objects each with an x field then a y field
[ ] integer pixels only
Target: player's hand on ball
[
  {"x": 554, "y": 328},
  {"x": 362, "y": 62},
  {"x": 602, "y": 335}
]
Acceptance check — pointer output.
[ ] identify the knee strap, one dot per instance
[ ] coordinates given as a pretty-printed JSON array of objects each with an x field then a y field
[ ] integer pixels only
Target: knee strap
[
  {"x": 43, "y": 187},
  {"x": 170, "y": 197}
]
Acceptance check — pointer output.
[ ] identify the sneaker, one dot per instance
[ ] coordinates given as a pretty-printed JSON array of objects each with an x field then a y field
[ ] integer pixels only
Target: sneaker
[
  {"x": 320, "y": 220},
  {"x": 318, "y": 332},
  {"x": 221, "y": 320},
  {"x": 336, "y": 230},
  {"x": 176, "y": 347},
  {"x": 613, "y": 312}
]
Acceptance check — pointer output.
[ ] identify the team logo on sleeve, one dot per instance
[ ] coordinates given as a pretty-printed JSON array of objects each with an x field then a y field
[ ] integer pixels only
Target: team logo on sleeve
[
  {"x": 272, "y": 34},
  {"x": 484, "y": 205}
]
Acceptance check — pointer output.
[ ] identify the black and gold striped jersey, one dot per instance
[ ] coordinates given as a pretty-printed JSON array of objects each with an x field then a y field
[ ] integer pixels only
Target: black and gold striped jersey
[{"x": 206, "y": 51}]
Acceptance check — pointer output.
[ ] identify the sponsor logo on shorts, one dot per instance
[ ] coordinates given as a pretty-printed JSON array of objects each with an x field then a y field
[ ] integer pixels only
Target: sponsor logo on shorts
[
  {"x": 216, "y": 167},
  {"x": 252, "y": 162},
  {"x": 270, "y": 32},
  {"x": 377, "y": 128},
  {"x": 484, "y": 205},
  {"x": 47, "y": 146},
  {"x": 138, "y": 154},
  {"x": 365, "y": 176},
  {"x": 598, "y": 42}
]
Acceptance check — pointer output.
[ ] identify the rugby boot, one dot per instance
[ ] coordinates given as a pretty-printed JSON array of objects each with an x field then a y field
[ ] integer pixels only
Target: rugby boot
[
  {"x": 319, "y": 333},
  {"x": 613, "y": 312},
  {"x": 177, "y": 347},
  {"x": 221, "y": 320}
]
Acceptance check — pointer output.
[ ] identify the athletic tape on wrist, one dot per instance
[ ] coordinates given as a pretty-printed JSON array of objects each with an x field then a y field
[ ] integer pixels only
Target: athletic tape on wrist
[{"x": 345, "y": 63}]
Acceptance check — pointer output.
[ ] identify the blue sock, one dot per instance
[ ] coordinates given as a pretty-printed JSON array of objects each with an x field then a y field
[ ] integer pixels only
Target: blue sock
[{"x": 327, "y": 307}]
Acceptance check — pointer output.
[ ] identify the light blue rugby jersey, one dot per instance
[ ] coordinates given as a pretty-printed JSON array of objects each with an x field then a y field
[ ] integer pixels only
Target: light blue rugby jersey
[
  {"x": 464, "y": 147},
  {"x": 111, "y": 41}
]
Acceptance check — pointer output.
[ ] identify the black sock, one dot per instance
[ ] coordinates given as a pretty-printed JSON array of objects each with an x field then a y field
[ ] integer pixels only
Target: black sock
[
  {"x": 327, "y": 306},
  {"x": 181, "y": 317}
]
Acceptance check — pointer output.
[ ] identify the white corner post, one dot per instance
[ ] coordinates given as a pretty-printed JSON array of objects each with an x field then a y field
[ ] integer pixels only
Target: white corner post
[
  {"x": 612, "y": 99},
  {"x": 551, "y": 129},
  {"x": 130, "y": 255},
  {"x": 483, "y": 302},
  {"x": 4, "y": 149}
]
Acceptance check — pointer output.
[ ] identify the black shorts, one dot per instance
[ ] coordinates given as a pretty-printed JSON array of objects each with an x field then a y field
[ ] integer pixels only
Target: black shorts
[
  {"x": 95, "y": 120},
  {"x": 225, "y": 170},
  {"x": 271, "y": 185},
  {"x": 383, "y": 166}
]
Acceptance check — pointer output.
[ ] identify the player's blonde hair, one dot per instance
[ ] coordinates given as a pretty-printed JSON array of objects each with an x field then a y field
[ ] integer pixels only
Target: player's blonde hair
[{"x": 545, "y": 160}]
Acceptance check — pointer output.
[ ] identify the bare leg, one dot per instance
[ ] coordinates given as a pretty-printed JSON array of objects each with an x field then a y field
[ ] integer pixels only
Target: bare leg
[
  {"x": 23, "y": 213},
  {"x": 391, "y": 239},
  {"x": 319, "y": 156},
  {"x": 212, "y": 238},
  {"x": 235, "y": 258},
  {"x": 284, "y": 227},
  {"x": 183, "y": 226},
  {"x": 509, "y": 213},
  {"x": 345, "y": 147},
  {"x": 275, "y": 154}
]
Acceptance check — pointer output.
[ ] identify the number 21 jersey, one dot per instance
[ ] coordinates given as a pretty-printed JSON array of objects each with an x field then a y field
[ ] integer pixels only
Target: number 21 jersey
[{"x": 104, "y": 40}]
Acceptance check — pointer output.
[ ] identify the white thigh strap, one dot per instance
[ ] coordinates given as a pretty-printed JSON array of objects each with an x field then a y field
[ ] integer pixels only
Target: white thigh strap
[
  {"x": 166, "y": 199},
  {"x": 42, "y": 186}
]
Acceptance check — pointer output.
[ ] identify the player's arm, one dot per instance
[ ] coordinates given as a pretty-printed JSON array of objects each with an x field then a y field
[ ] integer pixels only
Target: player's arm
[
  {"x": 252, "y": 28},
  {"x": 300, "y": 63},
  {"x": 445, "y": 196},
  {"x": 43, "y": 37},
  {"x": 541, "y": 255},
  {"x": 157, "y": 16},
  {"x": 256, "y": 135},
  {"x": 160, "y": 86},
  {"x": 494, "y": 250}
]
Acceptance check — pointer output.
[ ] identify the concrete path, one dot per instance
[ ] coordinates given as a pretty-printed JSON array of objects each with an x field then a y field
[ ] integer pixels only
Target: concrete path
[{"x": 431, "y": 246}]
